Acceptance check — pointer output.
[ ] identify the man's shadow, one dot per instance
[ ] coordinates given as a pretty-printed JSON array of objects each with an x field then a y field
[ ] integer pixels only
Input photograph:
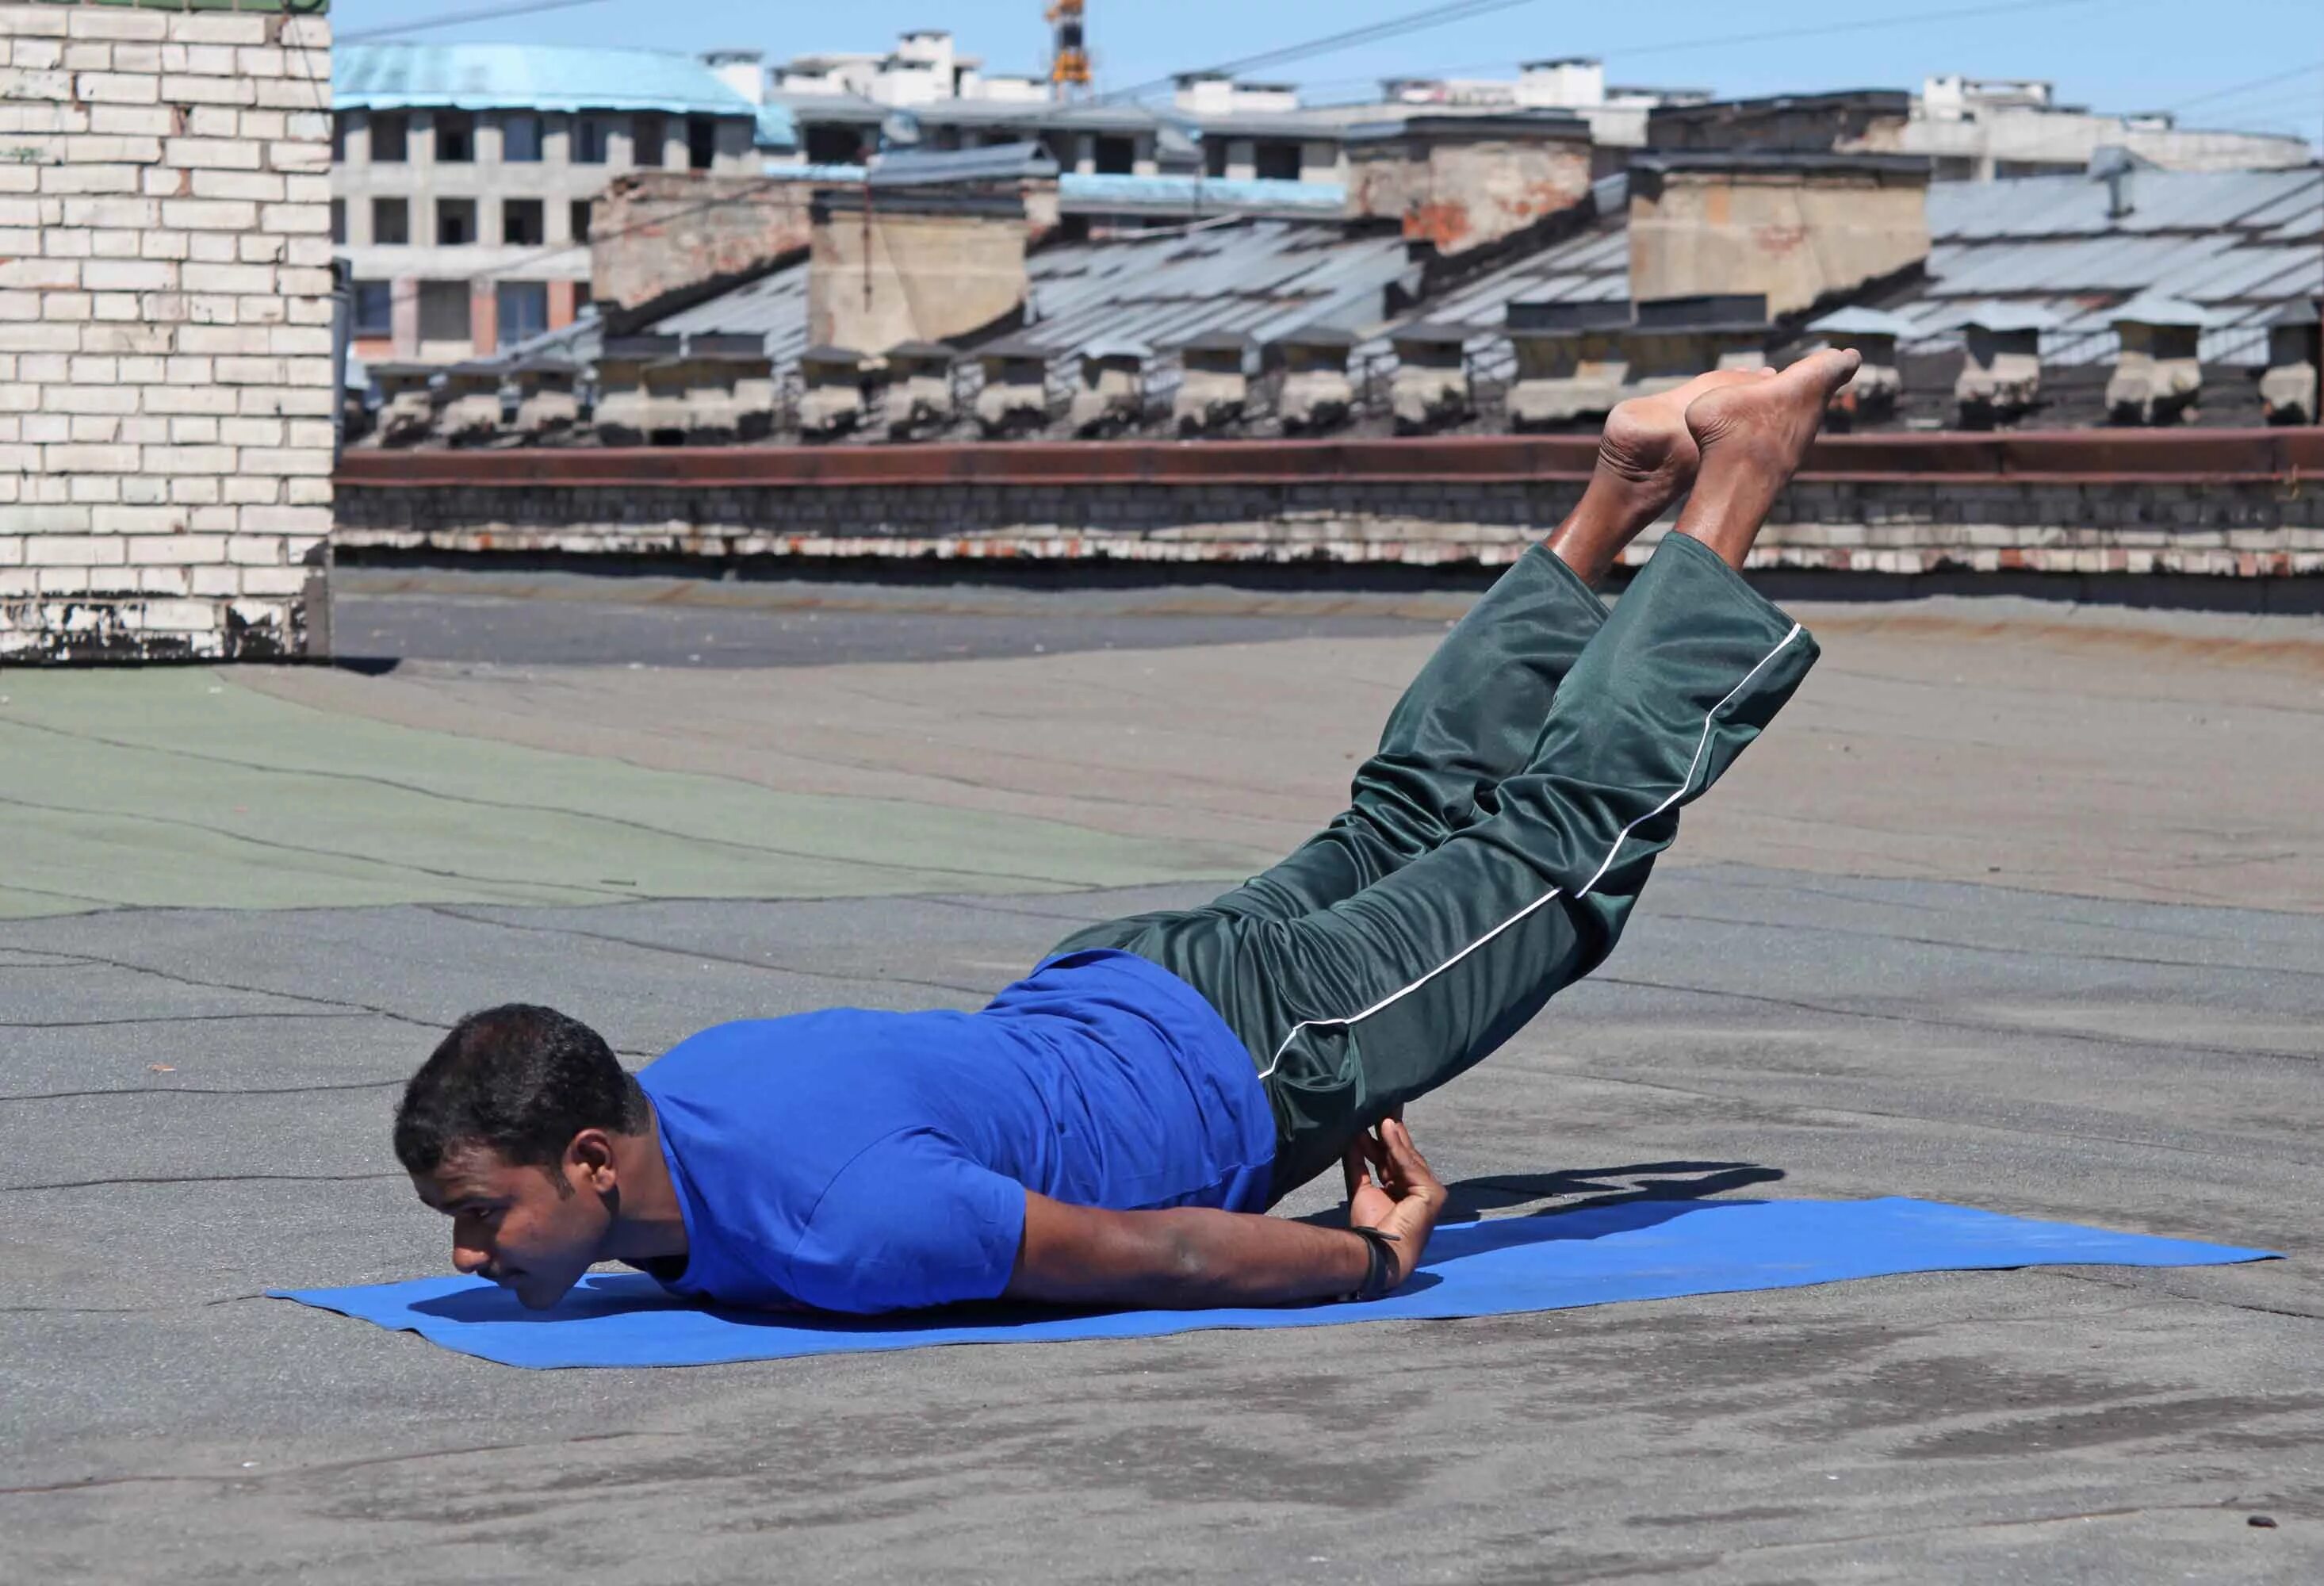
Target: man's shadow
[{"x": 1596, "y": 1188}]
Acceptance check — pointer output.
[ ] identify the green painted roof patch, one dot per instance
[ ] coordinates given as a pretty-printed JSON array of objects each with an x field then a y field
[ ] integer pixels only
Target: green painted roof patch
[
  {"x": 178, "y": 789},
  {"x": 565, "y": 78}
]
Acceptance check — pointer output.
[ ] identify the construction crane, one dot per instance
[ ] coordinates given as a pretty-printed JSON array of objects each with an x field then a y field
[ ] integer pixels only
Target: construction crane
[{"x": 1069, "y": 67}]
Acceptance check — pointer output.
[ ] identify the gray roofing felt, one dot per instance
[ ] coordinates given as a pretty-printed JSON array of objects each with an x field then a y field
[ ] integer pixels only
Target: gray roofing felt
[{"x": 2239, "y": 244}]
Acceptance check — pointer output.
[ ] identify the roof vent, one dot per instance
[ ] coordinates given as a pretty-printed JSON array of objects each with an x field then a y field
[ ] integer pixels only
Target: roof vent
[{"x": 2116, "y": 167}]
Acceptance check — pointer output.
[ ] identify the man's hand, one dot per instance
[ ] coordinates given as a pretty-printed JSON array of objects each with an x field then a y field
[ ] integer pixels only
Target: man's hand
[{"x": 1405, "y": 1199}]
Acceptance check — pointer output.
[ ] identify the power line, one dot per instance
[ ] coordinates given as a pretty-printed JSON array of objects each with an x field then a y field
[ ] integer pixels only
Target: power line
[
  {"x": 1772, "y": 35},
  {"x": 1411, "y": 22},
  {"x": 454, "y": 19},
  {"x": 2233, "y": 89}
]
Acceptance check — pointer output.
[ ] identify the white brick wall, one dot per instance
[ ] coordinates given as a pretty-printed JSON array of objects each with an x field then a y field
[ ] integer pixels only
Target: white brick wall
[{"x": 165, "y": 379}]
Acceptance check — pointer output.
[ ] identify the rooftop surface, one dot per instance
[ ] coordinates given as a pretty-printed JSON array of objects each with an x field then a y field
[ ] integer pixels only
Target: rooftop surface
[
  {"x": 527, "y": 77},
  {"x": 2017, "y": 904}
]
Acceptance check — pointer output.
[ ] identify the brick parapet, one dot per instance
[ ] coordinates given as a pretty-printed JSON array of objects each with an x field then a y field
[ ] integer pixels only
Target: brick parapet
[{"x": 165, "y": 329}]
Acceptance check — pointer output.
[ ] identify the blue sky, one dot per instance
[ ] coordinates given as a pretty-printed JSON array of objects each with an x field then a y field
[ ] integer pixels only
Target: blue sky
[{"x": 2111, "y": 54}]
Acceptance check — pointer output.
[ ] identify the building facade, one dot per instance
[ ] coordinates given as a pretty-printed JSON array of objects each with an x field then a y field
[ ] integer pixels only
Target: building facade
[{"x": 463, "y": 177}]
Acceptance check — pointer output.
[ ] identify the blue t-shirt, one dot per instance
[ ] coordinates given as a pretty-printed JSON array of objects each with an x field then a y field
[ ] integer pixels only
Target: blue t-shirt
[{"x": 860, "y": 1161}]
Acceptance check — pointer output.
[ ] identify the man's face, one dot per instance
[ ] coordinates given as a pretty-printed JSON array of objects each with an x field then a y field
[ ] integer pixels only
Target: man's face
[{"x": 512, "y": 1225}]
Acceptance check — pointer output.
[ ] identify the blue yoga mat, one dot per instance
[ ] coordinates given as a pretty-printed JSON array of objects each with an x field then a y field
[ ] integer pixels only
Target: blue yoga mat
[{"x": 1638, "y": 1250}]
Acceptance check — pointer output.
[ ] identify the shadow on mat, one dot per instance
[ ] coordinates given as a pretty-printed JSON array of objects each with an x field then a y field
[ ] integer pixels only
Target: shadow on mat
[{"x": 1602, "y": 1186}]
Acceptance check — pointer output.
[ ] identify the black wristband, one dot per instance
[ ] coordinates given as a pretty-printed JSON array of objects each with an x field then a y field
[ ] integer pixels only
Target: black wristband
[{"x": 1381, "y": 1273}]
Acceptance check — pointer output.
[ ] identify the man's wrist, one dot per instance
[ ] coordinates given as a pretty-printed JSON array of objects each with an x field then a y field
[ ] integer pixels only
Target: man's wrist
[{"x": 1382, "y": 1268}]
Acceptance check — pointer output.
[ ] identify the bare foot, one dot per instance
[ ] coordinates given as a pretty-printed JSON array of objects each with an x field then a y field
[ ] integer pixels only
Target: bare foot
[
  {"x": 1645, "y": 461},
  {"x": 1752, "y": 437}
]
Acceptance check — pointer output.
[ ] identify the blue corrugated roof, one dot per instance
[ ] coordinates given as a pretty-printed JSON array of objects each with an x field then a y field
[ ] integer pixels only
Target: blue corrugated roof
[{"x": 530, "y": 77}]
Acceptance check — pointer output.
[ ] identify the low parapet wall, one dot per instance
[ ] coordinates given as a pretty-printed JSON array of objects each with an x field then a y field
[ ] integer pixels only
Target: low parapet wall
[{"x": 2231, "y": 503}]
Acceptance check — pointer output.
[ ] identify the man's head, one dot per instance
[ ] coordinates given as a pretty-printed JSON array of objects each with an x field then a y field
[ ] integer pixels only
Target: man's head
[{"x": 510, "y": 1127}]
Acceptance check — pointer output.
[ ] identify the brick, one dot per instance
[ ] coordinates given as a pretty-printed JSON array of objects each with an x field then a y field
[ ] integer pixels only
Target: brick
[
  {"x": 293, "y": 93},
  {"x": 214, "y": 400},
  {"x": 130, "y": 339},
  {"x": 120, "y": 87},
  {"x": 260, "y": 310},
  {"x": 72, "y": 550},
  {"x": 307, "y": 190},
  {"x": 143, "y": 490},
  {"x": 251, "y": 431},
  {"x": 212, "y": 121},
  {"x": 145, "y": 26},
  {"x": 34, "y": 21},
  {"x": 184, "y": 88},
  {"x": 242, "y": 490},
  {"x": 232, "y": 371},
  {"x": 44, "y": 520},
  {"x": 189, "y": 371},
  {"x": 134, "y": 213},
  {"x": 180, "y": 616},
  {"x": 130, "y": 275},
  {"x": 191, "y": 460},
  {"x": 298, "y": 340},
  {"x": 255, "y": 550},
  {"x": 164, "y": 245},
  {"x": 216, "y": 581},
  {"x": 275, "y": 581},
  {"x": 302, "y": 521},
  {"x": 94, "y": 429},
  {"x": 39, "y": 54},
  {"x": 94, "y": 489},
  {"x": 200, "y": 60},
  {"x": 116, "y": 244},
  {"x": 232, "y": 280},
  {"x": 39, "y": 274},
  {"x": 310, "y": 33},
  {"x": 124, "y": 520},
  {"x": 93, "y": 399},
  {"x": 209, "y": 214},
  {"x": 72, "y": 181},
  {"x": 258, "y": 248},
  {"x": 308, "y": 253},
  {"x": 310, "y": 432},
  {"x": 223, "y": 340},
  {"x": 290, "y": 219},
  {"x": 43, "y": 428},
  {"x": 254, "y": 185},
  {"x": 95, "y": 147},
  {"x": 218, "y": 30},
  {"x": 298, "y": 281},
  {"x": 232, "y": 153},
  {"x": 287, "y": 461},
  {"x": 161, "y": 181},
  {"x": 194, "y": 492},
  {"x": 259, "y": 60},
  {"x": 174, "y": 581},
  {"x": 178, "y": 546},
  {"x": 139, "y": 58},
  {"x": 262, "y": 124},
  {"x": 211, "y": 247},
  {"x": 17, "y": 83},
  {"x": 307, "y": 493},
  {"x": 88, "y": 57},
  {"x": 20, "y": 305},
  {"x": 133, "y": 121},
  {"x": 214, "y": 520}
]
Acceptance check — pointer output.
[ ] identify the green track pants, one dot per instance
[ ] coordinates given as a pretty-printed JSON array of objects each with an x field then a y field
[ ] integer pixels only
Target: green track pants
[{"x": 1493, "y": 846}]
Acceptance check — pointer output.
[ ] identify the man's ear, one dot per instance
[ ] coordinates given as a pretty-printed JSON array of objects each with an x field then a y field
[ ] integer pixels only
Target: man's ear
[{"x": 589, "y": 1159}]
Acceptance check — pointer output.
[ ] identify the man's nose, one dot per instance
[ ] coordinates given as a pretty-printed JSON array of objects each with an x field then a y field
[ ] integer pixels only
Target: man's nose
[{"x": 468, "y": 1262}]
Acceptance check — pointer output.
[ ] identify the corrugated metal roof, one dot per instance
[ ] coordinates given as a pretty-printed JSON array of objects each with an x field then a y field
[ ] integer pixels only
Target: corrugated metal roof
[{"x": 530, "y": 77}]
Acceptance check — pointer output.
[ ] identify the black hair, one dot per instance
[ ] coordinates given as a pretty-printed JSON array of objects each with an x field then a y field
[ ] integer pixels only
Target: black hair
[{"x": 521, "y": 1080}]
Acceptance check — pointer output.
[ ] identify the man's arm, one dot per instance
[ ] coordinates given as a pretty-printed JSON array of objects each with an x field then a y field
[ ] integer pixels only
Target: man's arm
[{"x": 1193, "y": 1258}]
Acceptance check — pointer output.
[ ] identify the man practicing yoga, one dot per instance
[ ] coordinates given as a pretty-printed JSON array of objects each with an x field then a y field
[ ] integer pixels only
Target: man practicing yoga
[{"x": 1111, "y": 1130}]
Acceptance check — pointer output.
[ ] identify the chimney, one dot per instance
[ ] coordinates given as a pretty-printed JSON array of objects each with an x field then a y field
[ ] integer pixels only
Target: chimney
[
  {"x": 2158, "y": 371},
  {"x": 890, "y": 265},
  {"x": 2117, "y": 168},
  {"x": 1802, "y": 229},
  {"x": 1457, "y": 183},
  {"x": 663, "y": 239}
]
